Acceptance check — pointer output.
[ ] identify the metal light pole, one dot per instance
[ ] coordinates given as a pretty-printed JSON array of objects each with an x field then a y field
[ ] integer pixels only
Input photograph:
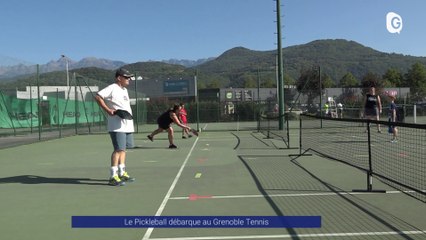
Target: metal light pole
[
  {"x": 280, "y": 69},
  {"x": 76, "y": 109},
  {"x": 137, "y": 78},
  {"x": 66, "y": 67},
  {"x": 196, "y": 100},
  {"x": 320, "y": 89}
]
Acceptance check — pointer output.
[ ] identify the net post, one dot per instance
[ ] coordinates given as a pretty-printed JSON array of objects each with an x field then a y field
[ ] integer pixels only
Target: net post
[
  {"x": 370, "y": 166},
  {"x": 288, "y": 130},
  {"x": 300, "y": 142},
  {"x": 258, "y": 121},
  {"x": 269, "y": 128},
  {"x": 415, "y": 113},
  {"x": 300, "y": 135},
  {"x": 369, "y": 181}
]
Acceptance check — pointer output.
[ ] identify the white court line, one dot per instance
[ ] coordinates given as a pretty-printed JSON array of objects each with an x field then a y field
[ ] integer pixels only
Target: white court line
[
  {"x": 313, "y": 235},
  {"x": 294, "y": 195},
  {"x": 217, "y": 139},
  {"x": 172, "y": 187}
]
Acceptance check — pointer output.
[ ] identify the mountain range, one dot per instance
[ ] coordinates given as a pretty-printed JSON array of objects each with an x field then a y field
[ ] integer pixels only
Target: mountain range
[
  {"x": 11, "y": 67},
  {"x": 239, "y": 66},
  {"x": 57, "y": 65},
  {"x": 6, "y": 61}
]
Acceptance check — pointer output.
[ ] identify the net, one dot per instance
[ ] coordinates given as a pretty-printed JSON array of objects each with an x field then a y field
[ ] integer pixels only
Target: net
[
  {"x": 408, "y": 113},
  {"x": 358, "y": 143},
  {"x": 269, "y": 126}
]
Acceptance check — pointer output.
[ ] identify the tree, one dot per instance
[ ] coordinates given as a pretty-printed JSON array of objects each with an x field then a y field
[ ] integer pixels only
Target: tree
[
  {"x": 348, "y": 80},
  {"x": 268, "y": 83},
  {"x": 393, "y": 78},
  {"x": 288, "y": 80},
  {"x": 348, "y": 83},
  {"x": 250, "y": 82},
  {"x": 371, "y": 80},
  {"x": 214, "y": 84},
  {"x": 327, "y": 82},
  {"x": 308, "y": 84},
  {"x": 201, "y": 85},
  {"x": 416, "y": 79}
]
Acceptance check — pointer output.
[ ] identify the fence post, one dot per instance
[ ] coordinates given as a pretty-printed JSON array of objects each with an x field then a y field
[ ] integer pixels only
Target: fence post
[
  {"x": 58, "y": 112},
  {"x": 414, "y": 113},
  {"x": 76, "y": 115},
  {"x": 39, "y": 115}
]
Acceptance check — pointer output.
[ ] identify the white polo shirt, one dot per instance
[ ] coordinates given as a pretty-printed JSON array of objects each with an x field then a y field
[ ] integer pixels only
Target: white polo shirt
[{"x": 117, "y": 97}]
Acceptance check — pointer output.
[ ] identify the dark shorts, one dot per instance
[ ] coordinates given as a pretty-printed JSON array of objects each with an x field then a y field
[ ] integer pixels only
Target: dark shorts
[
  {"x": 371, "y": 112},
  {"x": 391, "y": 128},
  {"x": 163, "y": 125},
  {"x": 121, "y": 141}
]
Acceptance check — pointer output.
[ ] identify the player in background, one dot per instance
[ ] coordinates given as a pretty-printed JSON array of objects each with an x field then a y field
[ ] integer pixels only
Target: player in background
[
  {"x": 340, "y": 110},
  {"x": 373, "y": 106},
  {"x": 183, "y": 119}
]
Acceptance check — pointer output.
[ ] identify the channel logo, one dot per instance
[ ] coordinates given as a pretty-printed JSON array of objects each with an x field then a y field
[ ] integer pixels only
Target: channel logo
[{"x": 393, "y": 22}]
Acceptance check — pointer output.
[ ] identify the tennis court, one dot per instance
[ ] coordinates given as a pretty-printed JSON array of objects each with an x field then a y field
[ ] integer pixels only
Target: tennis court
[{"x": 234, "y": 173}]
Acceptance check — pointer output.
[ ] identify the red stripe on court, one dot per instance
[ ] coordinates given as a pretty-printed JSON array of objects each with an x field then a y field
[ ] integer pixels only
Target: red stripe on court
[
  {"x": 201, "y": 160},
  {"x": 194, "y": 197}
]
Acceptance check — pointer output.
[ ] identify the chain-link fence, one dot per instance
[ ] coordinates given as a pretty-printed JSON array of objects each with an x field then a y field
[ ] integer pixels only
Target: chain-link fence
[{"x": 56, "y": 111}]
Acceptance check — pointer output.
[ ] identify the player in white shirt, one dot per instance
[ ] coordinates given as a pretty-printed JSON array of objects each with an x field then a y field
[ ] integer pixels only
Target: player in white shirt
[{"x": 112, "y": 98}]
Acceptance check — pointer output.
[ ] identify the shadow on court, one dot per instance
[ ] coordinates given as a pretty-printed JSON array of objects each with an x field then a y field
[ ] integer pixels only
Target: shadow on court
[
  {"x": 294, "y": 187},
  {"x": 32, "y": 179},
  {"x": 144, "y": 147}
]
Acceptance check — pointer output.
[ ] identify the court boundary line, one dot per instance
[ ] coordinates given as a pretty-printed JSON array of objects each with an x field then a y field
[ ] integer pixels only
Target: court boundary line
[
  {"x": 293, "y": 195},
  {"x": 169, "y": 192},
  {"x": 310, "y": 235}
]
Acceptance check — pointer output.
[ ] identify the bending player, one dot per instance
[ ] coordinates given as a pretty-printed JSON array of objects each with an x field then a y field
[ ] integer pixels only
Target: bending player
[{"x": 164, "y": 122}]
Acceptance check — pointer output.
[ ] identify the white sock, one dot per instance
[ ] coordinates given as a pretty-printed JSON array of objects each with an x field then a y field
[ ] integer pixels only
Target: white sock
[
  {"x": 122, "y": 169},
  {"x": 113, "y": 171}
]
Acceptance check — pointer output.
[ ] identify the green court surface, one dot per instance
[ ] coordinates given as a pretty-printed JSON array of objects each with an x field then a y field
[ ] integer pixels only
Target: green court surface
[{"x": 238, "y": 173}]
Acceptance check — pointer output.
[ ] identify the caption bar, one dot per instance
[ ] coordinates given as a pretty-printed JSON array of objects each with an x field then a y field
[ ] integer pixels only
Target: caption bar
[{"x": 196, "y": 222}]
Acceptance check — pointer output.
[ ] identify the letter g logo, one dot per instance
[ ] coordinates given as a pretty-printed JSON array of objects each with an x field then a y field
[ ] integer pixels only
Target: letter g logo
[{"x": 393, "y": 22}]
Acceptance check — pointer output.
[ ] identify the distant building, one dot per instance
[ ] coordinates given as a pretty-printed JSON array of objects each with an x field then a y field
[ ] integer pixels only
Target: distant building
[
  {"x": 184, "y": 89},
  {"x": 237, "y": 94},
  {"x": 160, "y": 88},
  {"x": 243, "y": 94},
  {"x": 63, "y": 92}
]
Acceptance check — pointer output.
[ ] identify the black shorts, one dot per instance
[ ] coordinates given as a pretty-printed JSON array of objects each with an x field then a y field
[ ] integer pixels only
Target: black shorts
[
  {"x": 371, "y": 112},
  {"x": 163, "y": 125}
]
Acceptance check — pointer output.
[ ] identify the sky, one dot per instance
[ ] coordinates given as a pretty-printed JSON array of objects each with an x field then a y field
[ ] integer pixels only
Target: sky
[{"x": 145, "y": 30}]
